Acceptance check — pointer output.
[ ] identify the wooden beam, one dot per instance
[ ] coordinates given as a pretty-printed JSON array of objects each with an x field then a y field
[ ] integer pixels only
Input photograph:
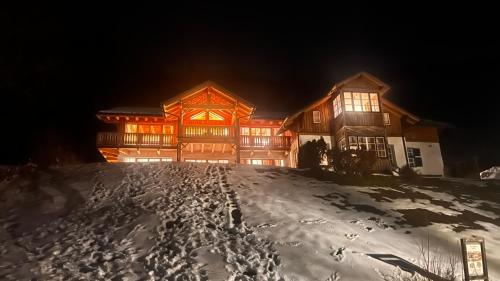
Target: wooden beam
[
  {"x": 223, "y": 148},
  {"x": 202, "y": 147},
  {"x": 207, "y": 106}
]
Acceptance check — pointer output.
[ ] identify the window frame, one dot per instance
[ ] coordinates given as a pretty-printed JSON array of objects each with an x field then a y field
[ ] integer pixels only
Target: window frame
[
  {"x": 414, "y": 161},
  {"x": 387, "y": 119},
  {"x": 361, "y": 101},
  {"x": 316, "y": 116}
]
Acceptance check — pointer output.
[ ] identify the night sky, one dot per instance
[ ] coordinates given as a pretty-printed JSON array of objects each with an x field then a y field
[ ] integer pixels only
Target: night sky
[{"x": 60, "y": 65}]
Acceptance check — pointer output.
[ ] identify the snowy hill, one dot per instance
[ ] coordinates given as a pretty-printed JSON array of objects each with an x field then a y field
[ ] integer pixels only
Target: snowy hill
[{"x": 186, "y": 221}]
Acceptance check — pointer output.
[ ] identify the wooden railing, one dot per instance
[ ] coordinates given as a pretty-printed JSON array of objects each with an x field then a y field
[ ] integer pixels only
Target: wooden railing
[
  {"x": 208, "y": 131},
  {"x": 114, "y": 139},
  {"x": 276, "y": 142}
]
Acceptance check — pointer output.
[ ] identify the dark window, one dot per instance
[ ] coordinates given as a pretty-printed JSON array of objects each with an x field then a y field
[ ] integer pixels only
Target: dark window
[{"x": 414, "y": 157}]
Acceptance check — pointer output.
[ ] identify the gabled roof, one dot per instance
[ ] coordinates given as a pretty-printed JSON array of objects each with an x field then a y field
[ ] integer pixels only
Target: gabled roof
[
  {"x": 290, "y": 119},
  {"x": 124, "y": 110},
  {"x": 392, "y": 106},
  {"x": 204, "y": 85},
  {"x": 383, "y": 86}
]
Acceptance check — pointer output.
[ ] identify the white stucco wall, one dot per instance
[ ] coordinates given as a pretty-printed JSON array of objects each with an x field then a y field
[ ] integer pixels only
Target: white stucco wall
[
  {"x": 399, "y": 150},
  {"x": 432, "y": 160}
]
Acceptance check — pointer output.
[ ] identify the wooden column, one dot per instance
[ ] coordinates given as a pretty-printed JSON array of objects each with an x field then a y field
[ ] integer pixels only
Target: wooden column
[
  {"x": 180, "y": 133},
  {"x": 236, "y": 133}
]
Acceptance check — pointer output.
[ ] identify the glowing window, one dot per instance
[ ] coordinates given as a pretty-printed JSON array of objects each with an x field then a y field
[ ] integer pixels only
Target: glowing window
[
  {"x": 360, "y": 102},
  {"x": 199, "y": 116},
  {"x": 156, "y": 129},
  {"x": 365, "y": 100},
  {"x": 356, "y": 99},
  {"x": 348, "y": 101},
  {"x": 144, "y": 129},
  {"x": 337, "y": 107},
  {"x": 245, "y": 131},
  {"x": 214, "y": 116},
  {"x": 168, "y": 129},
  {"x": 374, "y": 102},
  {"x": 130, "y": 128}
]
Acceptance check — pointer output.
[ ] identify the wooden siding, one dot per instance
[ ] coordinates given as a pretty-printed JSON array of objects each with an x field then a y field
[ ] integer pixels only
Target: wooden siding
[
  {"x": 307, "y": 124},
  {"x": 364, "y": 119},
  {"x": 421, "y": 134},
  {"x": 394, "y": 129}
]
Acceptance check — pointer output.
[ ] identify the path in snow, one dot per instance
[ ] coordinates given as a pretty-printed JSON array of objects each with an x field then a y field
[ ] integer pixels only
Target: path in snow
[{"x": 161, "y": 222}]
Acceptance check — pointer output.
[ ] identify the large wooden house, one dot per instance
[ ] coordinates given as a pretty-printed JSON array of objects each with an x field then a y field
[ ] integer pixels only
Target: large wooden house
[{"x": 211, "y": 124}]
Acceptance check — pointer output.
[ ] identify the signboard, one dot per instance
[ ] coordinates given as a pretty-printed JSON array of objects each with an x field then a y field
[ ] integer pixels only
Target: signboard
[{"x": 474, "y": 258}]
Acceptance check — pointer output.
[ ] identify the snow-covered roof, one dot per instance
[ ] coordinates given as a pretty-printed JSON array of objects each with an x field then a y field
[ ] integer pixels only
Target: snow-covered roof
[{"x": 150, "y": 111}]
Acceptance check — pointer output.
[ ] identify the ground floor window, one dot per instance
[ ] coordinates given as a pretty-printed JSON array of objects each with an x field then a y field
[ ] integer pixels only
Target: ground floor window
[
  {"x": 211, "y": 161},
  {"x": 268, "y": 162},
  {"x": 367, "y": 143},
  {"x": 146, "y": 160},
  {"x": 414, "y": 157}
]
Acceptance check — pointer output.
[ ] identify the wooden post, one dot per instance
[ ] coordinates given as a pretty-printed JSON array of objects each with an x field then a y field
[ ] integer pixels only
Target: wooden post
[{"x": 180, "y": 133}]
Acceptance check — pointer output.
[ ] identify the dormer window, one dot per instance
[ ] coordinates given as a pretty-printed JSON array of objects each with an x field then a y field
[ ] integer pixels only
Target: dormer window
[{"x": 361, "y": 102}]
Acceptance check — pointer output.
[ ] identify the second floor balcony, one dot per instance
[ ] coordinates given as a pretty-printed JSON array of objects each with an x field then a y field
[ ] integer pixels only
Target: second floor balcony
[
  {"x": 115, "y": 139},
  {"x": 191, "y": 134}
]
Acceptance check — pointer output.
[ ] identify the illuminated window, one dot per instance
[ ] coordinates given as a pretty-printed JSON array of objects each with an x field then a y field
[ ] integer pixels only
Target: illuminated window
[
  {"x": 214, "y": 116},
  {"x": 337, "y": 106},
  {"x": 260, "y": 131},
  {"x": 387, "y": 119},
  {"x": 365, "y": 100},
  {"x": 199, "y": 116},
  {"x": 316, "y": 116},
  {"x": 144, "y": 129},
  {"x": 374, "y": 102},
  {"x": 156, "y": 129},
  {"x": 256, "y": 162},
  {"x": 368, "y": 143},
  {"x": 168, "y": 129},
  {"x": 348, "y": 101},
  {"x": 356, "y": 100},
  {"x": 381, "y": 152},
  {"x": 245, "y": 131},
  {"x": 279, "y": 162},
  {"x": 414, "y": 157},
  {"x": 360, "y": 102},
  {"x": 130, "y": 128}
]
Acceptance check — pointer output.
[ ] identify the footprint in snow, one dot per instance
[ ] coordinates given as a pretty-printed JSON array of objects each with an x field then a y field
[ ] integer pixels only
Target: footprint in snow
[
  {"x": 290, "y": 243},
  {"x": 267, "y": 225},
  {"x": 335, "y": 276},
  {"x": 352, "y": 236},
  {"x": 312, "y": 221},
  {"x": 369, "y": 229},
  {"x": 339, "y": 254}
]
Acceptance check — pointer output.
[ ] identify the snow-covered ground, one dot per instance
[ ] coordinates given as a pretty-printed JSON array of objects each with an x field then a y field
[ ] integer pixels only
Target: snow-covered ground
[{"x": 187, "y": 221}]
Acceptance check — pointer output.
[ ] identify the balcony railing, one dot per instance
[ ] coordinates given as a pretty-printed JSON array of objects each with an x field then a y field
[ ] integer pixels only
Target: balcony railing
[
  {"x": 114, "y": 139},
  {"x": 275, "y": 142},
  {"x": 208, "y": 131}
]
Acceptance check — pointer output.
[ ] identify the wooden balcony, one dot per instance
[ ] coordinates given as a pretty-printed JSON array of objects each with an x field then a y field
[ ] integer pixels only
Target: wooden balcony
[
  {"x": 114, "y": 139},
  {"x": 256, "y": 142},
  {"x": 211, "y": 134}
]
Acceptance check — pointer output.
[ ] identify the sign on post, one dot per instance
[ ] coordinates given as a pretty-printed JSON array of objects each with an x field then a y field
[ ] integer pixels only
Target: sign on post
[{"x": 474, "y": 259}]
